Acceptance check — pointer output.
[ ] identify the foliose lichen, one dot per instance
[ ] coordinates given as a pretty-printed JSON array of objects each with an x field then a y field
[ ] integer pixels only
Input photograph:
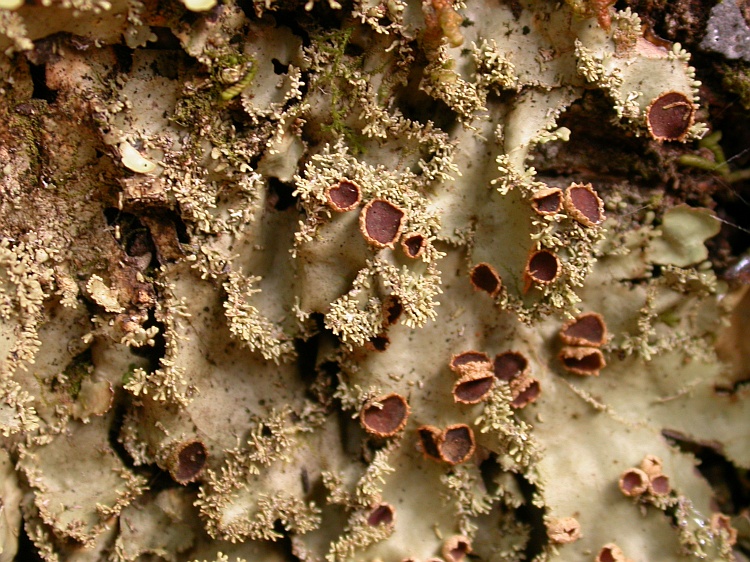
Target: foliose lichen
[{"x": 278, "y": 281}]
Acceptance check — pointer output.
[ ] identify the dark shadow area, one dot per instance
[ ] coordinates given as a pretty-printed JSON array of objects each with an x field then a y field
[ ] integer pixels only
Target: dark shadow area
[
  {"x": 533, "y": 516},
  {"x": 731, "y": 485}
]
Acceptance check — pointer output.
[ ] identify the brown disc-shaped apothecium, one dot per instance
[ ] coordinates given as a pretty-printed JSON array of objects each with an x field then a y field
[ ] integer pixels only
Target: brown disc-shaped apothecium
[
  {"x": 633, "y": 482},
  {"x": 413, "y": 244},
  {"x": 456, "y": 548},
  {"x": 611, "y": 553},
  {"x": 381, "y": 514},
  {"x": 587, "y": 330},
  {"x": 510, "y": 365},
  {"x": 586, "y": 361},
  {"x": 381, "y": 223},
  {"x": 547, "y": 201},
  {"x": 429, "y": 437},
  {"x": 392, "y": 309},
  {"x": 473, "y": 387},
  {"x": 659, "y": 485},
  {"x": 187, "y": 460},
  {"x": 343, "y": 196},
  {"x": 652, "y": 465},
  {"x": 584, "y": 205},
  {"x": 564, "y": 530},
  {"x": 461, "y": 362},
  {"x": 485, "y": 278},
  {"x": 525, "y": 390},
  {"x": 543, "y": 267},
  {"x": 456, "y": 444},
  {"x": 670, "y": 116},
  {"x": 385, "y": 416}
]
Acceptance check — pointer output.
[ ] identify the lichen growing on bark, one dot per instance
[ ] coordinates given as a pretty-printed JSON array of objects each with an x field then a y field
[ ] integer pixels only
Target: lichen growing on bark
[{"x": 279, "y": 281}]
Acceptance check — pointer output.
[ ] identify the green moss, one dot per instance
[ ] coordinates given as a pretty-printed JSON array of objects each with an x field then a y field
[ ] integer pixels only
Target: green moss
[
  {"x": 737, "y": 80},
  {"x": 77, "y": 370},
  {"x": 331, "y": 46},
  {"x": 129, "y": 374}
]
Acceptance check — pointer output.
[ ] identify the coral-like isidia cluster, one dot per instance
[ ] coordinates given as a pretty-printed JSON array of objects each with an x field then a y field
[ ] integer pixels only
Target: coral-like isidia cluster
[{"x": 278, "y": 282}]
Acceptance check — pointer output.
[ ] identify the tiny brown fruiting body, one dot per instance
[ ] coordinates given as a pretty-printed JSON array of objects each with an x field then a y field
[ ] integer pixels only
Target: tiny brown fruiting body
[
  {"x": 669, "y": 116},
  {"x": 524, "y": 391},
  {"x": 429, "y": 437},
  {"x": 381, "y": 222},
  {"x": 385, "y": 416},
  {"x": 343, "y": 196},
  {"x": 587, "y": 330},
  {"x": 547, "y": 201},
  {"x": 652, "y": 465},
  {"x": 633, "y": 482},
  {"x": 722, "y": 524},
  {"x": 413, "y": 244},
  {"x": 564, "y": 530},
  {"x": 611, "y": 553},
  {"x": 659, "y": 485},
  {"x": 469, "y": 360},
  {"x": 584, "y": 361},
  {"x": 583, "y": 204},
  {"x": 456, "y": 443},
  {"x": 542, "y": 268},
  {"x": 485, "y": 278},
  {"x": 456, "y": 548},
  {"x": 187, "y": 460},
  {"x": 510, "y": 365},
  {"x": 473, "y": 388},
  {"x": 381, "y": 514}
]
